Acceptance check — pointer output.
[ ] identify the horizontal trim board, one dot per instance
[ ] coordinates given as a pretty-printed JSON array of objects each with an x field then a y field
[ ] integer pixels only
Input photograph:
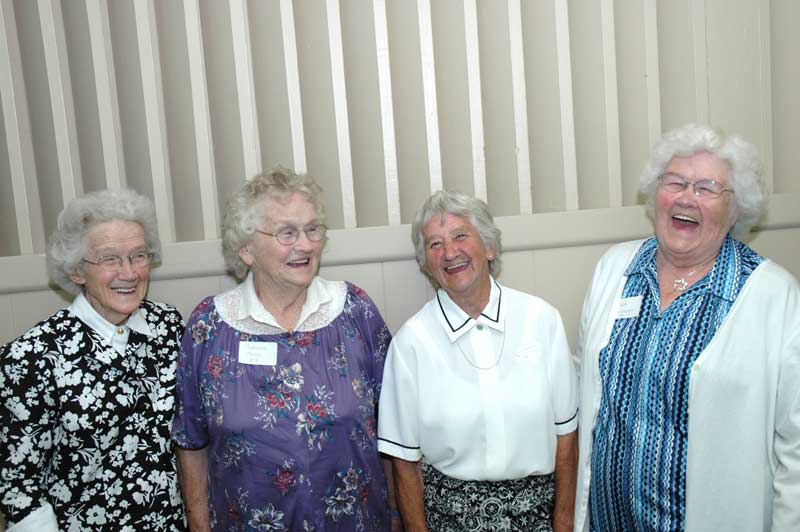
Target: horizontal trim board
[{"x": 393, "y": 243}]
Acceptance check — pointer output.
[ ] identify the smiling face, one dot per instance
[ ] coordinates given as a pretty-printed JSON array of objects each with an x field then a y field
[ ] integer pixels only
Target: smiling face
[
  {"x": 114, "y": 294},
  {"x": 458, "y": 260},
  {"x": 690, "y": 230},
  {"x": 276, "y": 268}
]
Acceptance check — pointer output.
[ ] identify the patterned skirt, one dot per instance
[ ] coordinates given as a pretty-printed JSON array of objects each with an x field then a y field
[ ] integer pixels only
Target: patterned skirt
[{"x": 453, "y": 505}]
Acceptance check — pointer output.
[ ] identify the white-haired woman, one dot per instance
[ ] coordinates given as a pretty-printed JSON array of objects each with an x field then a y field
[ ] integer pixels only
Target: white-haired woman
[
  {"x": 690, "y": 349},
  {"x": 279, "y": 379},
  {"x": 87, "y": 396},
  {"x": 480, "y": 387}
]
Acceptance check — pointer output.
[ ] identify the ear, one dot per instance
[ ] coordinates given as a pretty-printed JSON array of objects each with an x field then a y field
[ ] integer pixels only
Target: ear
[
  {"x": 491, "y": 254},
  {"x": 78, "y": 278},
  {"x": 246, "y": 254}
]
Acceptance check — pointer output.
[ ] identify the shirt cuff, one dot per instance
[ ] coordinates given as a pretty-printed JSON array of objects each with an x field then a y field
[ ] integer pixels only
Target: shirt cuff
[
  {"x": 410, "y": 454},
  {"x": 41, "y": 520},
  {"x": 568, "y": 425}
]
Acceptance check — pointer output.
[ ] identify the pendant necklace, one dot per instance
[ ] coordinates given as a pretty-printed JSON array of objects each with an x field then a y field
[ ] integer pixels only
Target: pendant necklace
[
  {"x": 681, "y": 284},
  {"x": 496, "y": 360}
]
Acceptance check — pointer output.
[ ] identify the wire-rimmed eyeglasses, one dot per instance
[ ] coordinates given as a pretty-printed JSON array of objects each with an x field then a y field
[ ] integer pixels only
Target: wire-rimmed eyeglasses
[
  {"x": 702, "y": 188},
  {"x": 289, "y": 235},
  {"x": 113, "y": 263}
]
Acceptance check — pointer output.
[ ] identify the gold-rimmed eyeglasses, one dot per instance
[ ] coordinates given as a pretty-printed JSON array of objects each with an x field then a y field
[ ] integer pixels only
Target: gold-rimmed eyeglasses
[
  {"x": 702, "y": 188},
  {"x": 113, "y": 263},
  {"x": 289, "y": 235}
]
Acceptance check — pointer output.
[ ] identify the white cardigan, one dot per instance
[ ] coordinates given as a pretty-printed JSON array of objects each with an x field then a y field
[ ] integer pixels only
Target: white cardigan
[{"x": 743, "y": 457}]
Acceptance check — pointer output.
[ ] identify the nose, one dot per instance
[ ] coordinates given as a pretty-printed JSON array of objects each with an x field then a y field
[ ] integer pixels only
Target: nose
[
  {"x": 303, "y": 243},
  {"x": 450, "y": 250},
  {"x": 688, "y": 194},
  {"x": 127, "y": 271}
]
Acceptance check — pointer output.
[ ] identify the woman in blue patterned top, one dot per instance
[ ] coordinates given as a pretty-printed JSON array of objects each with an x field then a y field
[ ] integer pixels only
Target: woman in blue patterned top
[
  {"x": 690, "y": 354},
  {"x": 279, "y": 378}
]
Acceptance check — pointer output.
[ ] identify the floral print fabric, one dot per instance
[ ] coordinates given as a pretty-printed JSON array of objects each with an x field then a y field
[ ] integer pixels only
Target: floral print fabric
[
  {"x": 291, "y": 445},
  {"x": 87, "y": 429},
  {"x": 453, "y": 505}
]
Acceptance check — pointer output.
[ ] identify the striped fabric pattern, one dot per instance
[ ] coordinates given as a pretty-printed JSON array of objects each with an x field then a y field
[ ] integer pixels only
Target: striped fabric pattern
[{"x": 640, "y": 439}]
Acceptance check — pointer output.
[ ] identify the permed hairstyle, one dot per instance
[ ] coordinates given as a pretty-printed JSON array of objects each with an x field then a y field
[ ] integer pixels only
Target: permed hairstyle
[
  {"x": 476, "y": 211},
  {"x": 69, "y": 244},
  {"x": 244, "y": 211},
  {"x": 749, "y": 199}
]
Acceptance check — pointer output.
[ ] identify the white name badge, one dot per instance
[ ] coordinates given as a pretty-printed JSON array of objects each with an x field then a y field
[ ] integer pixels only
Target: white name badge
[
  {"x": 258, "y": 353},
  {"x": 629, "y": 307}
]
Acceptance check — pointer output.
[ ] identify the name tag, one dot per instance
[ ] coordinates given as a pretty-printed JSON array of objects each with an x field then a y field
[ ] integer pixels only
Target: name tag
[
  {"x": 258, "y": 353},
  {"x": 629, "y": 307}
]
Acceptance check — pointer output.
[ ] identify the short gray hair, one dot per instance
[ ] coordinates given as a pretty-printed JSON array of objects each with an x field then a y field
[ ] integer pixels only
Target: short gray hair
[
  {"x": 244, "y": 211},
  {"x": 742, "y": 157},
  {"x": 476, "y": 211},
  {"x": 68, "y": 243}
]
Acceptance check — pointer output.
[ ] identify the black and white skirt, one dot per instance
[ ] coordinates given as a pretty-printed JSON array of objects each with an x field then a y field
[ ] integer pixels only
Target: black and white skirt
[{"x": 453, "y": 505}]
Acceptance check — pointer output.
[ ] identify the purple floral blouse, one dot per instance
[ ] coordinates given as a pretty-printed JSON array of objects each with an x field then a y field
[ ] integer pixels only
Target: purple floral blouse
[{"x": 291, "y": 445}]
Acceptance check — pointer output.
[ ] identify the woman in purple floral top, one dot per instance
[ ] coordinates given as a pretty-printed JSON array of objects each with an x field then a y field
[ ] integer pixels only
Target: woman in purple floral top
[{"x": 278, "y": 379}]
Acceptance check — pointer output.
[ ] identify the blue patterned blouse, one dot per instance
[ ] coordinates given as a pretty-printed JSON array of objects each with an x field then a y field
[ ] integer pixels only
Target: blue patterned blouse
[{"x": 639, "y": 447}]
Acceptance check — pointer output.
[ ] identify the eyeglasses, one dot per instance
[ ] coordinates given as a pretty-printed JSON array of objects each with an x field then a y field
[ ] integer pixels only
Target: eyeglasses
[
  {"x": 113, "y": 263},
  {"x": 289, "y": 235},
  {"x": 703, "y": 188}
]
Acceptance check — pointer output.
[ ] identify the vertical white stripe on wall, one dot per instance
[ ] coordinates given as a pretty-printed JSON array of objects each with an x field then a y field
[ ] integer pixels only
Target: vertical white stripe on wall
[
  {"x": 651, "y": 70},
  {"x": 293, "y": 86},
  {"x": 155, "y": 120},
  {"x": 245, "y": 87},
  {"x": 106, "y": 86},
  {"x": 699, "y": 37},
  {"x": 519, "y": 91},
  {"x": 764, "y": 38},
  {"x": 340, "y": 113},
  {"x": 475, "y": 97},
  {"x": 206, "y": 169},
  {"x": 429, "y": 93},
  {"x": 613, "y": 153},
  {"x": 568, "y": 151},
  {"x": 18, "y": 136},
  {"x": 61, "y": 103},
  {"x": 387, "y": 112}
]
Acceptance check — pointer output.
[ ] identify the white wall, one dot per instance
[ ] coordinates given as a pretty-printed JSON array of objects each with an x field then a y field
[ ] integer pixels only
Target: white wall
[{"x": 545, "y": 108}]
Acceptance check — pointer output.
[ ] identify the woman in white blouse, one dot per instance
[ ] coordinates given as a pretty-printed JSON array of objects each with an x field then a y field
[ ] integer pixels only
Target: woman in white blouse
[{"x": 479, "y": 387}]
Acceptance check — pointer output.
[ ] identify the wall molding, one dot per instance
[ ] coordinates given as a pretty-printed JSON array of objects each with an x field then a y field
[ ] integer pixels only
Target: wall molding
[{"x": 387, "y": 244}]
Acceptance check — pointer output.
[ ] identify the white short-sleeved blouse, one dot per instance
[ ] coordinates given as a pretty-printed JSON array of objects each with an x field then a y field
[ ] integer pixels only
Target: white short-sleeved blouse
[{"x": 479, "y": 399}]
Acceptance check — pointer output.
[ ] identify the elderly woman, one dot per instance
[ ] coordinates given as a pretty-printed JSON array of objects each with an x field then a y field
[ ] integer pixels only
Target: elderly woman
[
  {"x": 279, "y": 379},
  {"x": 480, "y": 387},
  {"x": 690, "y": 349},
  {"x": 87, "y": 396}
]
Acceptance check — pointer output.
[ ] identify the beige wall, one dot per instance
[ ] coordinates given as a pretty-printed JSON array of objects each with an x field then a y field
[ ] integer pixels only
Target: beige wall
[{"x": 545, "y": 108}]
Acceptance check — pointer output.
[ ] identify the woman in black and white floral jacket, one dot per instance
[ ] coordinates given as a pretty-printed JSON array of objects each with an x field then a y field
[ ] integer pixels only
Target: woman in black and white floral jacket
[{"x": 86, "y": 396}]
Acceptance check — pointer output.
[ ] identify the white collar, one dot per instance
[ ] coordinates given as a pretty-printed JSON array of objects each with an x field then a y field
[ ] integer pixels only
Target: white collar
[
  {"x": 84, "y": 310},
  {"x": 317, "y": 294},
  {"x": 456, "y": 322}
]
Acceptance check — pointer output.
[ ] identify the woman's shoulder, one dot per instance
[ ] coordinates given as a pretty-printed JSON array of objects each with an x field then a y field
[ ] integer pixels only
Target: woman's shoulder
[
  {"x": 520, "y": 303},
  {"x": 38, "y": 339},
  {"x": 772, "y": 278},
  {"x": 160, "y": 311}
]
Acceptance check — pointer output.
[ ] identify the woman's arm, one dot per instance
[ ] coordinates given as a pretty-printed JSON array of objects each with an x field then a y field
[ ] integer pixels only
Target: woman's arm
[
  {"x": 193, "y": 472},
  {"x": 408, "y": 489},
  {"x": 566, "y": 473}
]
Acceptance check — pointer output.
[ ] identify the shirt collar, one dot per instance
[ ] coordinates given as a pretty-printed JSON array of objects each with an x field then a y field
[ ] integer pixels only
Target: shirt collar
[
  {"x": 84, "y": 310},
  {"x": 316, "y": 296},
  {"x": 727, "y": 265},
  {"x": 456, "y": 322}
]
